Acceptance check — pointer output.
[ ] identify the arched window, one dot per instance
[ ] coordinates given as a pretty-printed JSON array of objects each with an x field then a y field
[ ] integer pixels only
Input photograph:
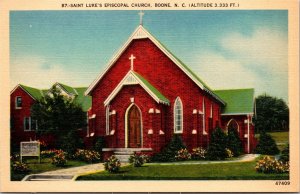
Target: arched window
[
  {"x": 107, "y": 119},
  {"x": 232, "y": 124},
  {"x": 178, "y": 116}
]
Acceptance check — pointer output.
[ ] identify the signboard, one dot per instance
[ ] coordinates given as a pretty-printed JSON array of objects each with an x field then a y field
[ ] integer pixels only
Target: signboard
[{"x": 30, "y": 148}]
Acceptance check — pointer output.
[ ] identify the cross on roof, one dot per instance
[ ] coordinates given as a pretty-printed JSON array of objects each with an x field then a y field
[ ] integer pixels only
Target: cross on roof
[
  {"x": 141, "y": 13},
  {"x": 131, "y": 58}
]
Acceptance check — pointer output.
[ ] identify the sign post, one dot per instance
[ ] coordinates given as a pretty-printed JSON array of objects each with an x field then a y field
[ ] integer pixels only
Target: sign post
[{"x": 30, "y": 148}]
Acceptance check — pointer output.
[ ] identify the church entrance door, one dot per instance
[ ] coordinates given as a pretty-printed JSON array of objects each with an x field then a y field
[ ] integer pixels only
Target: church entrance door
[{"x": 134, "y": 127}]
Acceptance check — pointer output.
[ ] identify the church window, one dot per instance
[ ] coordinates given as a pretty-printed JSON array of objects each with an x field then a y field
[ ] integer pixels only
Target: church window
[
  {"x": 210, "y": 119},
  {"x": 178, "y": 116},
  {"x": 18, "y": 102},
  {"x": 203, "y": 108},
  {"x": 107, "y": 119},
  {"x": 30, "y": 124},
  {"x": 232, "y": 124}
]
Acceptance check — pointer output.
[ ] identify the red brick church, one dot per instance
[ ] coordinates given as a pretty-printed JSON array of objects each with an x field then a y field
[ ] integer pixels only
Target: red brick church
[{"x": 144, "y": 97}]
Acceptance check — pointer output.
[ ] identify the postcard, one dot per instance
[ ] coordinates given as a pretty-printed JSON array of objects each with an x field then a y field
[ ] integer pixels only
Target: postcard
[{"x": 149, "y": 96}]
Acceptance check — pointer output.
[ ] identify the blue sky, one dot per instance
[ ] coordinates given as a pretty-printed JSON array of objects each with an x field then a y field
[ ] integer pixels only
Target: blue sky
[{"x": 227, "y": 49}]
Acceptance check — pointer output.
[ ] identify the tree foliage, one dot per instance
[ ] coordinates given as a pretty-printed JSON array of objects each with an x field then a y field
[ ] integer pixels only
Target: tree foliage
[
  {"x": 234, "y": 142},
  {"x": 272, "y": 114},
  {"x": 61, "y": 116},
  {"x": 217, "y": 146},
  {"x": 266, "y": 145},
  {"x": 170, "y": 151}
]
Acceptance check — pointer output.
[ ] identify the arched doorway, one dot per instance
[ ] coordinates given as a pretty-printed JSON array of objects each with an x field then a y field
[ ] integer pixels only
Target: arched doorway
[
  {"x": 134, "y": 127},
  {"x": 232, "y": 124}
]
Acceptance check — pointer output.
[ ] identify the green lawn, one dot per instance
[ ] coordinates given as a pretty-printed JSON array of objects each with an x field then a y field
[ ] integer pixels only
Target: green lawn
[
  {"x": 225, "y": 171},
  {"x": 44, "y": 166},
  {"x": 280, "y": 137}
]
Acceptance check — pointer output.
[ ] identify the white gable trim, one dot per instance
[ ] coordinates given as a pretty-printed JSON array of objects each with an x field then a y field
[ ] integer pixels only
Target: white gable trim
[
  {"x": 139, "y": 33},
  {"x": 63, "y": 90},
  {"x": 131, "y": 79},
  {"x": 23, "y": 90}
]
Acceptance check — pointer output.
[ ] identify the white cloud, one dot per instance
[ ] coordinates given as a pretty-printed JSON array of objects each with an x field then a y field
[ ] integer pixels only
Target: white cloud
[
  {"x": 259, "y": 61},
  {"x": 266, "y": 49},
  {"x": 31, "y": 71}
]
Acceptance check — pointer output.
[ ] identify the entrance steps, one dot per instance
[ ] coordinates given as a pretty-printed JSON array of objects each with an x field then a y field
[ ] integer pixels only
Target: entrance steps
[{"x": 123, "y": 154}]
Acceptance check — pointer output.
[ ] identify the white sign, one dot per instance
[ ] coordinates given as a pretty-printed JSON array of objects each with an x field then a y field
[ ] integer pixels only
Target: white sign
[{"x": 30, "y": 148}]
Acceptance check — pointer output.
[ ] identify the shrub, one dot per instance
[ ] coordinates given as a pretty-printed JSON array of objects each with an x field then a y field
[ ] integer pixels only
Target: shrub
[
  {"x": 234, "y": 143},
  {"x": 15, "y": 157},
  {"x": 87, "y": 155},
  {"x": 217, "y": 146},
  {"x": 270, "y": 165},
  {"x": 49, "y": 153},
  {"x": 285, "y": 154},
  {"x": 229, "y": 153},
  {"x": 59, "y": 159},
  {"x": 70, "y": 143},
  {"x": 19, "y": 167},
  {"x": 266, "y": 145},
  {"x": 199, "y": 153},
  {"x": 170, "y": 151},
  {"x": 112, "y": 164},
  {"x": 136, "y": 160},
  {"x": 183, "y": 154},
  {"x": 99, "y": 143}
]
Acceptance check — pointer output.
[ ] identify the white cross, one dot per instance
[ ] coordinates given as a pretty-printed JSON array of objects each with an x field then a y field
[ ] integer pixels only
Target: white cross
[
  {"x": 141, "y": 13},
  {"x": 131, "y": 58}
]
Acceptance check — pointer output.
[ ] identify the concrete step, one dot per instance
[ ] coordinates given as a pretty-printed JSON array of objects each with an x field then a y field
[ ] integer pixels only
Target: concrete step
[
  {"x": 123, "y": 158},
  {"x": 46, "y": 177}
]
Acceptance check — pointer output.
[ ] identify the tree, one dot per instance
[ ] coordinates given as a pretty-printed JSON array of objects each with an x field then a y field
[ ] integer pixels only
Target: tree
[
  {"x": 217, "y": 146},
  {"x": 170, "y": 151},
  {"x": 266, "y": 145},
  {"x": 61, "y": 116},
  {"x": 233, "y": 142},
  {"x": 272, "y": 114}
]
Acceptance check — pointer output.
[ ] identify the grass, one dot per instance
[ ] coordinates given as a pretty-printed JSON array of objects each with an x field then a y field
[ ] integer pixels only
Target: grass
[
  {"x": 225, "y": 171},
  {"x": 281, "y": 138},
  {"x": 44, "y": 166}
]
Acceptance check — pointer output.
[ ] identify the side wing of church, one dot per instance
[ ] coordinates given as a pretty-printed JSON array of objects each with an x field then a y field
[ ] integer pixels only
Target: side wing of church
[{"x": 146, "y": 95}]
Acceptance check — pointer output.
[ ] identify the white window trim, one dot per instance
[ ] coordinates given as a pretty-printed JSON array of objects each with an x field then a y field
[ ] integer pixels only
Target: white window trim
[
  {"x": 233, "y": 120},
  {"x": 107, "y": 115},
  {"x": 174, "y": 114},
  {"x": 203, "y": 107},
  {"x": 211, "y": 111},
  {"x": 16, "y": 102}
]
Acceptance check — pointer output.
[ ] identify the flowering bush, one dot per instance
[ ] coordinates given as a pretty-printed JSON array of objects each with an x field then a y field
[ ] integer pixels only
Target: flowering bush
[
  {"x": 15, "y": 157},
  {"x": 59, "y": 159},
  {"x": 87, "y": 155},
  {"x": 270, "y": 165},
  {"x": 146, "y": 158},
  {"x": 183, "y": 154},
  {"x": 229, "y": 153},
  {"x": 112, "y": 164},
  {"x": 136, "y": 160},
  {"x": 198, "y": 153},
  {"x": 19, "y": 167},
  {"x": 50, "y": 153}
]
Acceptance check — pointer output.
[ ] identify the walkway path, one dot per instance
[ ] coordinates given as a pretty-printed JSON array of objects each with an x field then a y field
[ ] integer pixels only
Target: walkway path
[
  {"x": 74, "y": 172},
  {"x": 244, "y": 158}
]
